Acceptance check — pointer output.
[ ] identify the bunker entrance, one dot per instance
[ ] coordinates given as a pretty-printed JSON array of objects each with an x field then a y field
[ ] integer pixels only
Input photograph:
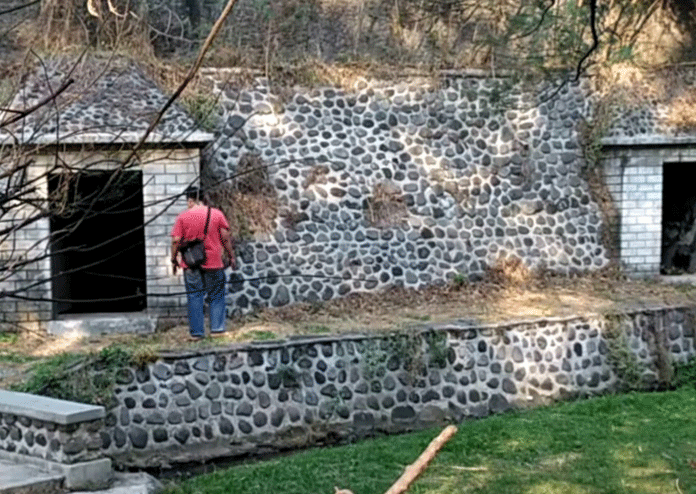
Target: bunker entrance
[
  {"x": 98, "y": 243},
  {"x": 678, "y": 220}
]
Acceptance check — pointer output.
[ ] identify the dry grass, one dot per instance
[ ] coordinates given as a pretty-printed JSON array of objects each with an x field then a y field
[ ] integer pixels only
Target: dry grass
[
  {"x": 624, "y": 88},
  {"x": 386, "y": 206},
  {"x": 249, "y": 202},
  {"x": 510, "y": 292},
  {"x": 512, "y": 271},
  {"x": 681, "y": 114},
  {"x": 312, "y": 73},
  {"x": 64, "y": 26},
  {"x": 317, "y": 175}
]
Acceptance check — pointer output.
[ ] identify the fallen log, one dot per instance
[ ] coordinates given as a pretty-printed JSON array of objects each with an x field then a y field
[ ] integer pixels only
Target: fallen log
[{"x": 416, "y": 468}]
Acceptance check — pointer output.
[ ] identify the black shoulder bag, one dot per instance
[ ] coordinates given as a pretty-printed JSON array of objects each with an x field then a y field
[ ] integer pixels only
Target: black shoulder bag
[{"x": 193, "y": 251}]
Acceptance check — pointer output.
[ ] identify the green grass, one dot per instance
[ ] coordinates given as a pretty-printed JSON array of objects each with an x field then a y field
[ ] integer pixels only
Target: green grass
[
  {"x": 262, "y": 335},
  {"x": 316, "y": 329},
  {"x": 634, "y": 443},
  {"x": 8, "y": 338},
  {"x": 85, "y": 378},
  {"x": 15, "y": 357}
]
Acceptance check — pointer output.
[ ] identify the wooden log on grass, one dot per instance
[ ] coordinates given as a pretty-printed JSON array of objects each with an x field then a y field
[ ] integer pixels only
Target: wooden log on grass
[{"x": 416, "y": 468}]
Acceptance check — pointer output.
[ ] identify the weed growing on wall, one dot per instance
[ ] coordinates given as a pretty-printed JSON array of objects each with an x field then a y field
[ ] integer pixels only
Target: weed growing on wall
[
  {"x": 386, "y": 206},
  {"x": 143, "y": 355},
  {"x": 413, "y": 351},
  {"x": 684, "y": 374},
  {"x": 594, "y": 128},
  {"x": 289, "y": 376},
  {"x": 622, "y": 360},
  {"x": 437, "y": 348},
  {"x": 373, "y": 359},
  {"x": 81, "y": 378},
  {"x": 460, "y": 281},
  {"x": 249, "y": 202},
  {"x": 203, "y": 108}
]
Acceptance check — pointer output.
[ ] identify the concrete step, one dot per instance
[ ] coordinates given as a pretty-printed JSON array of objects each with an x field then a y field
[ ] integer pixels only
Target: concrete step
[
  {"x": 28, "y": 479},
  {"x": 91, "y": 325}
]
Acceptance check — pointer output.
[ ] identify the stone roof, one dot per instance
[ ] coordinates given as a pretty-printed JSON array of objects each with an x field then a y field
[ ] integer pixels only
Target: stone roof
[
  {"x": 647, "y": 126},
  {"x": 108, "y": 102}
]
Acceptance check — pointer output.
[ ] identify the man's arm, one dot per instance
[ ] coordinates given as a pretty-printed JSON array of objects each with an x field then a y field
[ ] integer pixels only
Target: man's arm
[
  {"x": 226, "y": 240},
  {"x": 176, "y": 242}
]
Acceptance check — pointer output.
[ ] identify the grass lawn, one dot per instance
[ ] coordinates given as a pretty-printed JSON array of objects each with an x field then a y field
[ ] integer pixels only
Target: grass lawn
[{"x": 634, "y": 443}]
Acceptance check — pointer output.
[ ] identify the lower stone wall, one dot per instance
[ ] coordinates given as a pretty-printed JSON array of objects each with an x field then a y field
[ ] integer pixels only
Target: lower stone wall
[
  {"x": 49, "y": 429},
  {"x": 278, "y": 395},
  {"x": 61, "y": 443}
]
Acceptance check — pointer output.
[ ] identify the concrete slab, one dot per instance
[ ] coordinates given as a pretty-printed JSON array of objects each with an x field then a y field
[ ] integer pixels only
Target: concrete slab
[
  {"x": 27, "y": 479},
  {"x": 682, "y": 279},
  {"x": 130, "y": 483},
  {"x": 84, "y": 475},
  {"x": 48, "y": 409},
  {"x": 103, "y": 324},
  {"x": 89, "y": 475}
]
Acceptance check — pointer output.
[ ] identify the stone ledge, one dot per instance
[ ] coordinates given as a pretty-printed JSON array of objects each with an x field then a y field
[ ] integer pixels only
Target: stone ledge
[
  {"x": 88, "y": 475},
  {"x": 48, "y": 409}
]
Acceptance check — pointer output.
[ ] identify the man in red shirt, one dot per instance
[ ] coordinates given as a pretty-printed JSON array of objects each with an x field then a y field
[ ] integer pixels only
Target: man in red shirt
[{"x": 210, "y": 278}]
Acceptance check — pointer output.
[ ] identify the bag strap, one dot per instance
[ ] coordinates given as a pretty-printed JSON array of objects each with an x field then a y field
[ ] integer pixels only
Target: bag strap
[{"x": 207, "y": 221}]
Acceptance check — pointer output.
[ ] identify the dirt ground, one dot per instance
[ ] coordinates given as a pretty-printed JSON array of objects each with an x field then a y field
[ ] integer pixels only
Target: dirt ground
[{"x": 503, "y": 296}]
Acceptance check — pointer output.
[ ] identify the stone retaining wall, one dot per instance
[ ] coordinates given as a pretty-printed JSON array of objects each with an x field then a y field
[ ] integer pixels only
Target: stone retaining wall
[
  {"x": 278, "y": 395},
  {"x": 479, "y": 170},
  {"x": 61, "y": 443}
]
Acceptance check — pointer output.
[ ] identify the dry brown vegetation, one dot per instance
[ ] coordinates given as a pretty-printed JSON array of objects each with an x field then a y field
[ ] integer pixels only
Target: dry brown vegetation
[
  {"x": 249, "y": 202},
  {"x": 625, "y": 88},
  {"x": 386, "y": 206},
  {"x": 63, "y": 26},
  {"x": 510, "y": 292}
]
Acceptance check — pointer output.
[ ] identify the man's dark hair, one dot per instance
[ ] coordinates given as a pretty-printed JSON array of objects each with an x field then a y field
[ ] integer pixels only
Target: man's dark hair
[{"x": 193, "y": 192}]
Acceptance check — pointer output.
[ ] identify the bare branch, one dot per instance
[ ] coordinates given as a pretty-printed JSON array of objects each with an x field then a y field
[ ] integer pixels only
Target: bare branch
[
  {"x": 19, "y": 7},
  {"x": 189, "y": 77},
  {"x": 23, "y": 113},
  {"x": 595, "y": 38}
]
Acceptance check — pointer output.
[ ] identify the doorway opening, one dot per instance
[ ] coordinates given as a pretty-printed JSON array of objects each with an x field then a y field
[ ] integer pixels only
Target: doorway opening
[
  {"x": 98, "y": 242},
  {"x": 678, "y": 220}
]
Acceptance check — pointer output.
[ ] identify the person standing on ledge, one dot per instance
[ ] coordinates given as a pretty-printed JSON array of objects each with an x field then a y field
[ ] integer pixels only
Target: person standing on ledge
[{"x": 208, "y": 280}]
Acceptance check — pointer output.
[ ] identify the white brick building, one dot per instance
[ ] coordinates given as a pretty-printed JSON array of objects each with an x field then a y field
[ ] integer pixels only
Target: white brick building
[
  {"x": 90, "y": 241},
  {"x": 641, "y": 174}
]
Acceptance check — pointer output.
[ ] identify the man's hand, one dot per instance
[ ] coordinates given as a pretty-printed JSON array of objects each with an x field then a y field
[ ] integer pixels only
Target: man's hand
[{"x": 176, "y": 241}]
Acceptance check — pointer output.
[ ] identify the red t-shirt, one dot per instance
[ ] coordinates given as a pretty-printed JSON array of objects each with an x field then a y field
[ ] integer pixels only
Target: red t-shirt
[{"x": 190, "y": 225}]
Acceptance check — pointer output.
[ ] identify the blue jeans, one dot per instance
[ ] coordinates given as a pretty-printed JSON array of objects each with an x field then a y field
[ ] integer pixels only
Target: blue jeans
[{"x": 199, "y": 284}]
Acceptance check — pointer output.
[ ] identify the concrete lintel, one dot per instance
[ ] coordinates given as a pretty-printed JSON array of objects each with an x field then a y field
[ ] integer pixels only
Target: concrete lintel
[
  {"x": 650, "y": 140},
  {"x": 48, "y": 409}
]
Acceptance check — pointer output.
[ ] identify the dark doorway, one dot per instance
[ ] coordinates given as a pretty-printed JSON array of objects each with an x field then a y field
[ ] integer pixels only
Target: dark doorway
[
  {"x": 678, "y": 219},
  {"x": 98, "y": 243}
]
